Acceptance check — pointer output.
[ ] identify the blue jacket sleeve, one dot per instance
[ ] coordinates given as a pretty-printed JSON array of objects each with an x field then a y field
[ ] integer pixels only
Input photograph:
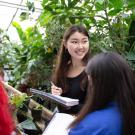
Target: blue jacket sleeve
[
  {"x": 107, "y": 121},
  {"x": 87, "y": 131}
]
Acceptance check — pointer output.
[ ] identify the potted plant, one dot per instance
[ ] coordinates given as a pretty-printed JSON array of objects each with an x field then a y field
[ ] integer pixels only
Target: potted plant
[
  {"x": 36, "y": 113},
  {"x": 21, "y": 102}
]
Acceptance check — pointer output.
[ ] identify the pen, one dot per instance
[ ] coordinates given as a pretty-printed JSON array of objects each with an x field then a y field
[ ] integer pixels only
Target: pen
[
  {"x": 52, "y": 83},
  {"x": 56, "y": 88}
]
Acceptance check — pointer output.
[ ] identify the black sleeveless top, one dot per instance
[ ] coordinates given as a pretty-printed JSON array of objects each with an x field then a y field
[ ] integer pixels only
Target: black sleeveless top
[{"x": 75, "y": 91}]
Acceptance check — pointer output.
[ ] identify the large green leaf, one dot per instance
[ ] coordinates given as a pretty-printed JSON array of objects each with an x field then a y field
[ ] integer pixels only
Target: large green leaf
[
  {"x": 72, "y": 3},
  {"x": 100, "y": 1},
  {"x": 114, "y": 12},
  {"x": 99, "y": 6},
  {"x": 45, "y": 17},
  {"x": 63, "y": 3},
  {"x": 20, "y": 31},
  {"x": 24, "y": 16},
  {"x": 130, "y": 56},
  {"x": 117, "y": 4},
  {"x": 131, "y": 5}
]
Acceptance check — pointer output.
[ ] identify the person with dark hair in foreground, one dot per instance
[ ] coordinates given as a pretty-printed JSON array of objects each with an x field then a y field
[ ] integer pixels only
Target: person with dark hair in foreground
[{"x": 110, "y": 104}]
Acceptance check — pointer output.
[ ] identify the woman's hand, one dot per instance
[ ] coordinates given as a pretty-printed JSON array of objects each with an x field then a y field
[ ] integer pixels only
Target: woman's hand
[{"x": 56, "y": 90}]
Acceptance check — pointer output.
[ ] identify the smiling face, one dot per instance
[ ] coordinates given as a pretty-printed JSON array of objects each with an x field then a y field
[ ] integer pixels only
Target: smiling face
[{"x": 77, "y": 46}]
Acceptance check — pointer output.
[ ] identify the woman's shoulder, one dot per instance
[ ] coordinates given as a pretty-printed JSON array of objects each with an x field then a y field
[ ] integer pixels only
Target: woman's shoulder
[
  {"x": 105, "y": 121},
  {"x": 108, "y": 115}
]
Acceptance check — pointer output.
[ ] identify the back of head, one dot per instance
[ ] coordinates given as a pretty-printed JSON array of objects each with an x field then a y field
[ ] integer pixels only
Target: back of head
[{"x": 112, "y": 79}]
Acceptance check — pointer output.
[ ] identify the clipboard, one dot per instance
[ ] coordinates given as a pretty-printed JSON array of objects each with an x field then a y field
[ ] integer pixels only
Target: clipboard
[{"x": 66, "y": 102}]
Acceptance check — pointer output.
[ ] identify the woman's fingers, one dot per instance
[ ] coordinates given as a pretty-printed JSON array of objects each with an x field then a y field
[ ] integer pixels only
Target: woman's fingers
[{"x": 56, "y": 90}]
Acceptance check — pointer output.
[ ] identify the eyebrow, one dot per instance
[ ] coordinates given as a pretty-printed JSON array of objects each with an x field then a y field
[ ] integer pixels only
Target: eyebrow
[{"x": 77, "y": 39}]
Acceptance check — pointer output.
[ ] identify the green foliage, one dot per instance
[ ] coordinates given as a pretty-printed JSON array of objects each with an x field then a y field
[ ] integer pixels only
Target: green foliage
[
  {"x": 6, "y": 52},
  {"x": 30, "y": 6},
  {"x": 38, "y": 107},
  {"x": 108, "y": 22},
  {"x": 24, "y": 16},
  {"x": 18, "y": 100},
  {"x": 21, "y": 34}
]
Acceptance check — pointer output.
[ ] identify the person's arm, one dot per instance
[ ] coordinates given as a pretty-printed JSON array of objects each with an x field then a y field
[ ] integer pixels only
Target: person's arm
[
  {"x": 88, "y": 131},
  {"x": 6, "y": 122}
]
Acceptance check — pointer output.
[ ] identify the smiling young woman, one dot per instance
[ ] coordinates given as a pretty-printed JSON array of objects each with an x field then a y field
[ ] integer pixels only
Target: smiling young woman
[{"x": 69, "y": 77}]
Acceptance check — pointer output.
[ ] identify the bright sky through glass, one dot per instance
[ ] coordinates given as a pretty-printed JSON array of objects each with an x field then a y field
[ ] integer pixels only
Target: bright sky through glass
[{"x": 8, "y": 8}]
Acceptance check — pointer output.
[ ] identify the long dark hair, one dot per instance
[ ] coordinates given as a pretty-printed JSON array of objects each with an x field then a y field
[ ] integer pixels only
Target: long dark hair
[
  {"x": 64, "y": 58},
  {"x": 111, "y": 79}
]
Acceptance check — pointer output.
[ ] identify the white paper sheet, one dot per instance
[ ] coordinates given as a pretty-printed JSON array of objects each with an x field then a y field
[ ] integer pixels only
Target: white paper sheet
[{"x": 58, "y": 125}]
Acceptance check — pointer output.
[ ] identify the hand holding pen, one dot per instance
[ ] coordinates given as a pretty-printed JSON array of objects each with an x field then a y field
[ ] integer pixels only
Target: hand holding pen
[{"x": 55, "y": 90}]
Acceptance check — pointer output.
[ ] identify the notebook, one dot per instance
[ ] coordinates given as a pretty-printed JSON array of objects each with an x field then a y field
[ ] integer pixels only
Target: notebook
[
  {"x": 59, "y": 124},
  {"x": 59, "y": 99}
]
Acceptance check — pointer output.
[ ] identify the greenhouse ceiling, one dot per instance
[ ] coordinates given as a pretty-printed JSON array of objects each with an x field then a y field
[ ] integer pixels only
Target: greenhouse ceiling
[{"x": 11, "y": 10}]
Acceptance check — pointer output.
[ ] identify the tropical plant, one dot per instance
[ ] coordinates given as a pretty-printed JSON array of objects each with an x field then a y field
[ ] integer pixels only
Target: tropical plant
[
  {"x": 110, "y": 23},
  {"x": 18, "y": 100}
]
